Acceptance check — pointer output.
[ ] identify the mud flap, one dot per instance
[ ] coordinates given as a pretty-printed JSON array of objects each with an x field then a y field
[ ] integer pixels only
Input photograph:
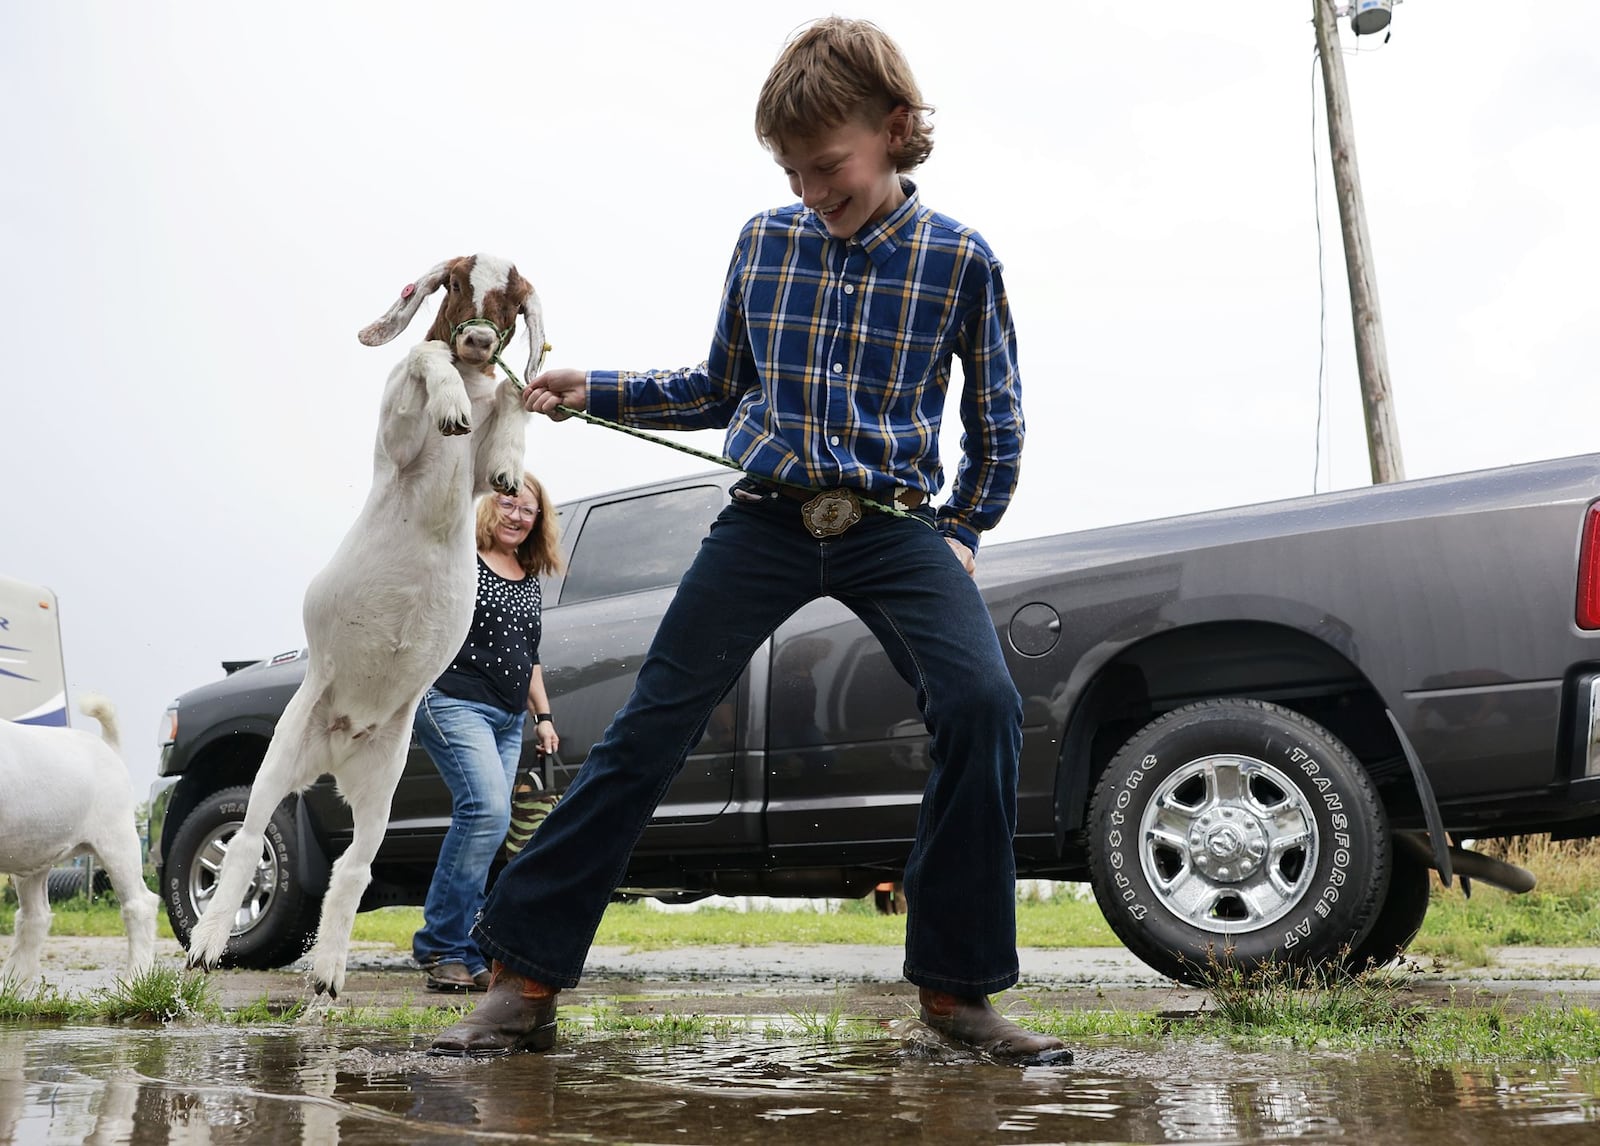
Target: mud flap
[
  {"x": 1430, "y": 806},
  {"x": 312, "y": 868}
]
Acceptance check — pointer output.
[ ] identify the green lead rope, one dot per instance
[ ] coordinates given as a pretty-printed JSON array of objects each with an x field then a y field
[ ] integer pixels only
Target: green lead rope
[{"x": 881, "y": 507}]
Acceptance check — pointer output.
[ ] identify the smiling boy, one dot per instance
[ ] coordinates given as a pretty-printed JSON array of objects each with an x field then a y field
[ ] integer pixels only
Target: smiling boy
[{"x": 840, "y": 319}]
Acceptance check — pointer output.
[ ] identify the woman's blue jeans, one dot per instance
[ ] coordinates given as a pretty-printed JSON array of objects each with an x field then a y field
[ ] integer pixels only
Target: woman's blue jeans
[
  {"x": 476, "y": 748},
  {"x": 757, "y": 567}
]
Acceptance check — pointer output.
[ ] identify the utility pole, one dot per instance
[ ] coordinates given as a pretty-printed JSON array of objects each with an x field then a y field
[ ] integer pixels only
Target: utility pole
[{"x": 1372, "y": 362}]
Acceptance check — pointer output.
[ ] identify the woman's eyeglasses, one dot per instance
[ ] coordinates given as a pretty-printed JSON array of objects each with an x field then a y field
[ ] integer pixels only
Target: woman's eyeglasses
[{"x": 512, "y": 509}]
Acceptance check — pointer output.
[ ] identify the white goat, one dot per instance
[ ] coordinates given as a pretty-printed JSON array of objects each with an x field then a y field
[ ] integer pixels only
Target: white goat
[
  {"x": 67, "y": 793},
  {"x": 390, "y": 611}
]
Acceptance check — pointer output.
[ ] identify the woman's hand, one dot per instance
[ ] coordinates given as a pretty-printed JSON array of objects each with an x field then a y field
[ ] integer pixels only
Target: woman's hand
[{"x": 545, "y": 732}]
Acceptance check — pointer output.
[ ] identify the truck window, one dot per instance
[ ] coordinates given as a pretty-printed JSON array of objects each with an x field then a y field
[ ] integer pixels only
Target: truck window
[{"x": 639, "y": 543}]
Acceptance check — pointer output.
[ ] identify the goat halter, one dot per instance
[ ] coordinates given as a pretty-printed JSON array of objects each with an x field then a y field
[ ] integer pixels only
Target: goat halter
[{"x": 501, "y": 336}]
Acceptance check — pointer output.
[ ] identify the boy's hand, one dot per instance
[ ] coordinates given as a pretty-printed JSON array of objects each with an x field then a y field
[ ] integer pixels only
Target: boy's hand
[
  {"x": 963, "y": 555},
  {"x": 565, "y": 387}
]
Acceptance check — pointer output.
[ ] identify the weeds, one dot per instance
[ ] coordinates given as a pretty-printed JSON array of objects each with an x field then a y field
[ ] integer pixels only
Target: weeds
[
  {"x": 1369, "y": 1010},
  {"x": 667, "y": 1027},
  {"x": 1303, "y": 1005},
  {"x": 819, "y": 1026},
  {"x": 40, "y": 1003},
  {"x": 1112, "y": 1024},
  {"x": 159, "y": 995},
  {"x": 402, "y": 1018}
]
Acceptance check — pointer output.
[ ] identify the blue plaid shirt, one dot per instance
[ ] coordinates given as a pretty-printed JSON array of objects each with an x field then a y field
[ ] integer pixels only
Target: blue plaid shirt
[{"x": 831, "y": 362}]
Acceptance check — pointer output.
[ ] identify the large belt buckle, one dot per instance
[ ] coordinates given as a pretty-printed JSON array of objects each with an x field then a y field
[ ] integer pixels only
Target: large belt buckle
[{"x": 831, "y": 512}]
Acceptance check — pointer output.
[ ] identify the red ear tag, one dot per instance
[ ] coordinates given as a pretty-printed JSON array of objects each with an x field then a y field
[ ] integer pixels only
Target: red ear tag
[{"x": 410, "y": 289}]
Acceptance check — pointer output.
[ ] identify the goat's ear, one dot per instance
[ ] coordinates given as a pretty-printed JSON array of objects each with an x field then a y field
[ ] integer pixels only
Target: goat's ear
[
  {"x": 533, "y": 316},
  {"x": 399, "y": 316}
]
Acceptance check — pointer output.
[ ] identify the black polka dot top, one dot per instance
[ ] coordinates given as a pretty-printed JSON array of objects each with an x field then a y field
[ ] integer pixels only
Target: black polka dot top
[{"x": 496, "y": 664}]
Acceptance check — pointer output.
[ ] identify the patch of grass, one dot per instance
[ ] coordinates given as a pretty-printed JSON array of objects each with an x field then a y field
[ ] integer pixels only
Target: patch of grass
[
  {"x": 264, "y": 1010},
  {"x": 1562, "y": 911},
  {"x": 1371, "y": 1011},
  {"x": 1564, "y": 867},
  {"x": 641, "y": 928},
  {"x": 392, "y": 925},
  {"x": 1063, "y": 920},
  {"x": 1112, "y": 1024},
  {"x": 159, "y": 995},
  {"x": 80, "y": 917},
  {"x": 1495, "y": 918},
  {"x": 666, "y": 1027},
  {"x": 406, "y": 1017},
  {"x": 605, "y": 1019},
  {"x": 1546, "y": 1032},
  {"x": 40, "y": 1002},
  {"x": 1302, "y": 1005},
  {"x": 1458, "y": 948},
  {"x": 819, "y": 1026}
]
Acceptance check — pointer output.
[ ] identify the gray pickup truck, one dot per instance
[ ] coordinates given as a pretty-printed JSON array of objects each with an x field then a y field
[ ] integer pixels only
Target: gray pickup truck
[{"x": 1254, "y": 731}]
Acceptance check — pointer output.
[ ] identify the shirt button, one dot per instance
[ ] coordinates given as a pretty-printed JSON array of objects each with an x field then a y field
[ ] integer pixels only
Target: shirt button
[
  {"x": 849, "y": 288},
  {"x": 834, "y": 441},
  {"x": 838, "y": 367}
]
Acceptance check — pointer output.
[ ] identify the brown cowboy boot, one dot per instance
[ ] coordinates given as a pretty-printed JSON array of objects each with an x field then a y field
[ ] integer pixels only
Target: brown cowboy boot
[
  {"x": 518, "y": 1014},
  {"x": 975, "y": 1023}
]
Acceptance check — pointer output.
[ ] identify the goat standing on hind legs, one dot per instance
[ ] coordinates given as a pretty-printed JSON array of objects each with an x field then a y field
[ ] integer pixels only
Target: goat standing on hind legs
[{"x": 388, "y": 613}]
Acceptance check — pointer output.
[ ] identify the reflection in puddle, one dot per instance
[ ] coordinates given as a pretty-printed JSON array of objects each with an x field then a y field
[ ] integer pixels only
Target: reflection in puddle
[{"x": 287, "y": 1084}]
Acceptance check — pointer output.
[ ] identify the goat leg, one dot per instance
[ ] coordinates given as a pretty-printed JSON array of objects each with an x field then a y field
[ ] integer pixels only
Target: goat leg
[{"x": 447, "y": 405}]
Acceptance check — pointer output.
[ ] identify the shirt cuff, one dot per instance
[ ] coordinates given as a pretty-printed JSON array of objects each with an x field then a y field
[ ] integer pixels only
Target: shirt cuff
[
  {"x": 967, "y": 537},
  {"x": 604, "y": 391}
]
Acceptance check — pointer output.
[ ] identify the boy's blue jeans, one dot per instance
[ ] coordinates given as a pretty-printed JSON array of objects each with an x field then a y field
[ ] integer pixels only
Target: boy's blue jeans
[
  {"x": 476, "y": 748},
  {"x": 757, "y": 567}
]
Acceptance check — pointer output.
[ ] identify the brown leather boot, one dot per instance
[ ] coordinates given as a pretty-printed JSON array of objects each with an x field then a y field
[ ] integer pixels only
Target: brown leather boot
[
  {"x": 975, "y": 1023},
  {"x": 518, "y": 1014}
]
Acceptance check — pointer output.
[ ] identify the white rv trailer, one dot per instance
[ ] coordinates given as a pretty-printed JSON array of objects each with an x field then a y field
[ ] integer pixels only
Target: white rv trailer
[{"x": 33, "y": 677}]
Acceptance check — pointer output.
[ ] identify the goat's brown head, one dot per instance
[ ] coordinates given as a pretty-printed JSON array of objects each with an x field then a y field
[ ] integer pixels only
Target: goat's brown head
[{"x": 483, "y": 296}]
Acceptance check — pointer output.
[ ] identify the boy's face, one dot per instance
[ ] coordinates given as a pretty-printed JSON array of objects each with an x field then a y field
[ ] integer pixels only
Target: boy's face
[{"x": 845, "y": 173}]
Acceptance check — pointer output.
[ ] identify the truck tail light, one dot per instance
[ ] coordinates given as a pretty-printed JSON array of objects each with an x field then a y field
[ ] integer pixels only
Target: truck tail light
[{"x": 1589, "y": 571}]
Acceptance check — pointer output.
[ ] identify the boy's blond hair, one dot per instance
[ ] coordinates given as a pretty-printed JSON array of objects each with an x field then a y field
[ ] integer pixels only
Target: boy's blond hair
[{"x": 836, "y": 70}]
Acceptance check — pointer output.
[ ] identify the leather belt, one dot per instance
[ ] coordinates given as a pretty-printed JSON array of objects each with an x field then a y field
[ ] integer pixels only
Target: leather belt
[
  {"x": 829, "y": 512},
  {"x": 902, "y": 496}
]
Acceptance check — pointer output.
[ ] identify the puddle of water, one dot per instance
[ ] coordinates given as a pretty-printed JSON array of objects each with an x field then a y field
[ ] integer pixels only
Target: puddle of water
[{"x": 311, "y": 1085}]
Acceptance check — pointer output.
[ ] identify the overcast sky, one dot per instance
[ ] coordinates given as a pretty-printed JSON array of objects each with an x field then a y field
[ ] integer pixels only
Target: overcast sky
[{"x": 202, "y": 203}]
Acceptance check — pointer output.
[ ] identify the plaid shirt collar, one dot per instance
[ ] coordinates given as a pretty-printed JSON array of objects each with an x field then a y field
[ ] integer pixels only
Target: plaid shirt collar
[{"x": 882, "y": 239}]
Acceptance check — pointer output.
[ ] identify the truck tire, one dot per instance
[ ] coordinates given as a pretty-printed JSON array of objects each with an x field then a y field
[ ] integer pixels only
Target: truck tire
[
  {"x": 1240, "y": 833},
  {"x": 1400, "y": 917},
  {"x": 278, "y": 917}
]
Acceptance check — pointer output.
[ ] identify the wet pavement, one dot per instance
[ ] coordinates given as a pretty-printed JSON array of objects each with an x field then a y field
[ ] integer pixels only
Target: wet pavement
[{"x": 759, "y": 1075}]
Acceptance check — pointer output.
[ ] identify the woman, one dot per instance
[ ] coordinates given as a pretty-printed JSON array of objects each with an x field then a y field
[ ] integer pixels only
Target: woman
[{"x": 471, "y": 722}]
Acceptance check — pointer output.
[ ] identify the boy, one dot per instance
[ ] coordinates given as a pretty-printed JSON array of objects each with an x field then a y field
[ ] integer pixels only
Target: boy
[{"x": 829, "y": 367}]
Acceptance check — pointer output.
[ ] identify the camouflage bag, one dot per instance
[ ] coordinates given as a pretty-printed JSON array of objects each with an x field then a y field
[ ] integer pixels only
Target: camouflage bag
[{"x": 530, "y": 804}]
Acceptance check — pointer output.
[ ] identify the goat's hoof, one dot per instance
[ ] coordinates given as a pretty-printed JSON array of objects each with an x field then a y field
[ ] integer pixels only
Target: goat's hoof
[
  {"x": 327, "y": 989},
  {"x": 454, "y": 427},
  {"x": 506, "y": 484}
]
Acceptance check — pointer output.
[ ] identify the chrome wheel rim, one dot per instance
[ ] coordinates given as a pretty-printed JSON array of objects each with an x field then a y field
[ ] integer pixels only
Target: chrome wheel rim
[
  {"x": 1228, "y": 843},
  {"x": 207, "y": 864}
]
